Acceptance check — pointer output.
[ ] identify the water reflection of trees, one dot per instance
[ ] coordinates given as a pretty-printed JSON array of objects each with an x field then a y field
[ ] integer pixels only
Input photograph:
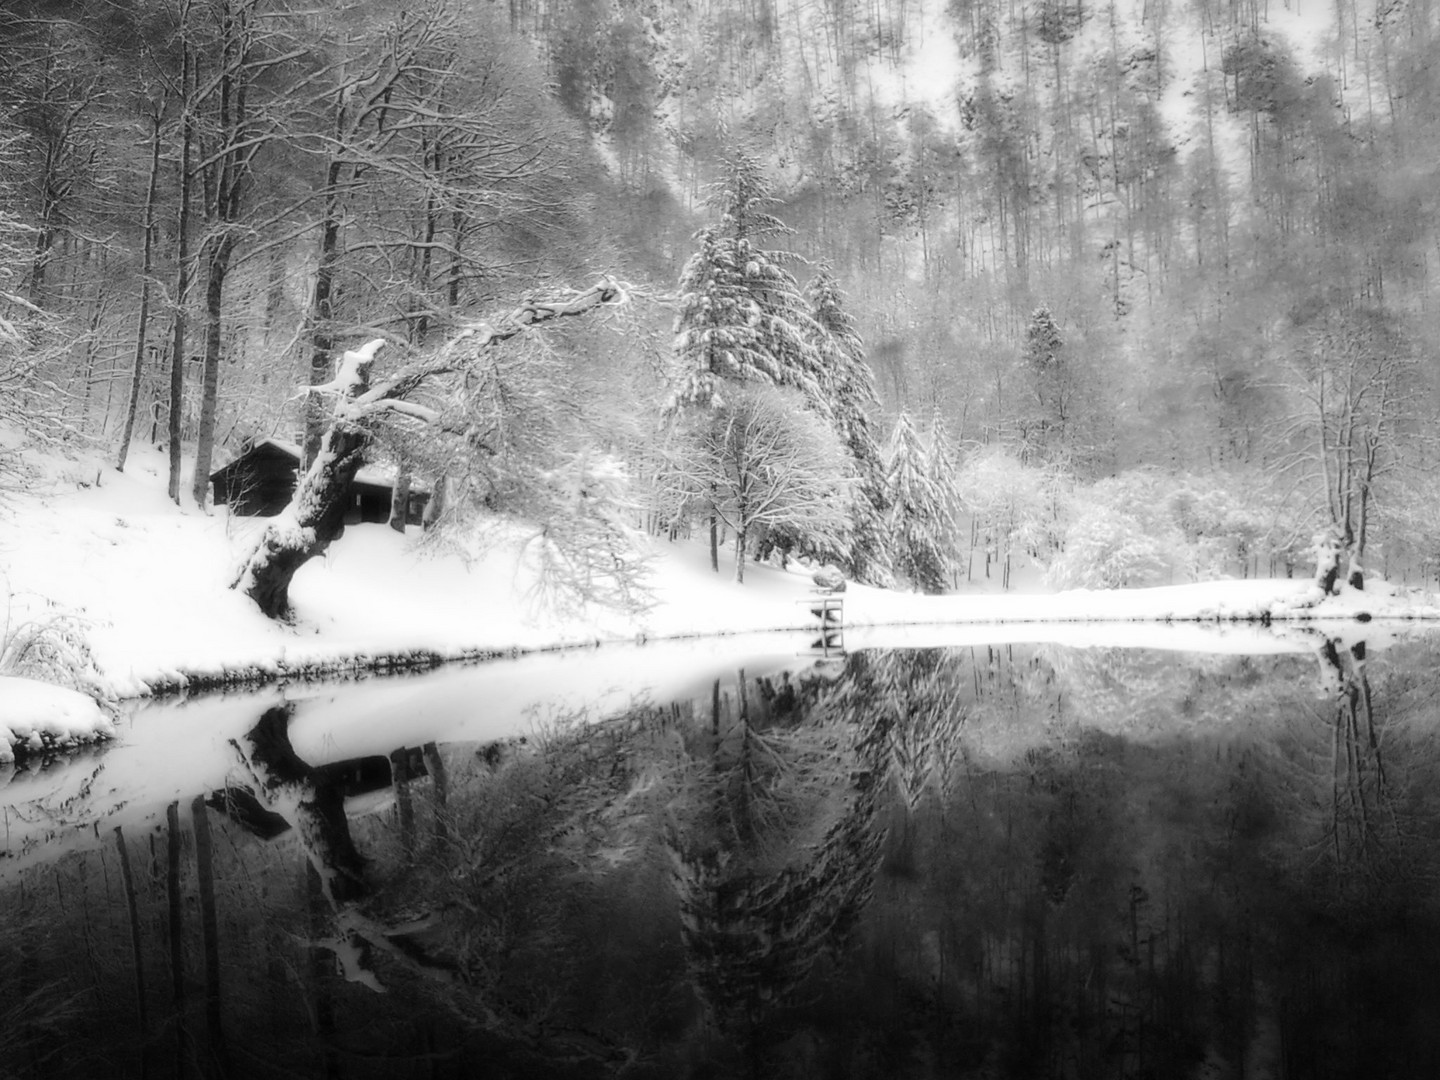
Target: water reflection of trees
[{"x": 941, "y": 862}]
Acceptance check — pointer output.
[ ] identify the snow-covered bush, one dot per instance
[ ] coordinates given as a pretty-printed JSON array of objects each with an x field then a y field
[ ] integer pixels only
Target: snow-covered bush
[
  {"x": 1221, "y": 530},
  {"x": 50, "y": 647},
  {"x": 1014, "y": 507},
  {"x": 770, "y": 470},
  {"x": 587, "y": 548},
  {"x": 1108, "y": 548},
  {"x": 1148, "y": 527}
]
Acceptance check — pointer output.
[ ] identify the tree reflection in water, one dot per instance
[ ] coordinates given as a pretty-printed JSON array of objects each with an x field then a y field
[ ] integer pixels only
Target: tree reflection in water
[{"x": 996, "y": 862}]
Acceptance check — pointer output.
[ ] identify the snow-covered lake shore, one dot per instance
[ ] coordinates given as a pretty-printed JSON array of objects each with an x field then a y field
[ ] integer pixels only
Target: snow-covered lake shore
[{"x": 137, "y": 589}]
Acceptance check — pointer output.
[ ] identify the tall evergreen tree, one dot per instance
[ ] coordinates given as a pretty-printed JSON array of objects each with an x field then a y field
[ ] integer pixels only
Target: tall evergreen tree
[
  {"x": 715, "y": 335},
  {"x": 945, "y": 472},
  {"x": 850, "y": 391},
  {"x": 919, "y": 519},
  {"x": 1047, "y": 433},
  {"x": 742, "y": 314}
]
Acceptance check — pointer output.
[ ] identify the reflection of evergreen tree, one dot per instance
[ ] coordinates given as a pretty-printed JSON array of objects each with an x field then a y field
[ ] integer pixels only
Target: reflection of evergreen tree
[
  {"x": 755, "y": 930},
  {"x": 757, "y": 918}
]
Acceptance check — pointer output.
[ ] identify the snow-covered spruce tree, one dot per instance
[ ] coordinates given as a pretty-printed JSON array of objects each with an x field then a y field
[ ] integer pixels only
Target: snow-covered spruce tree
[
  {"x": 315, "y": 517},
  {"x": 945, "y": 472},
  {"x": 715, "y": 338},
  {"x": 785, "y": 326},
  {"x": 1050, "y": 379},
  {"x": 849, "y": 388},
  {"x": 920, "y": 522},
  {"x": 742, "y": 316}
]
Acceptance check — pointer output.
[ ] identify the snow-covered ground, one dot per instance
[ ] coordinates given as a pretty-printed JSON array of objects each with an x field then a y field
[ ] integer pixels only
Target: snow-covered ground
[
  {"x": 109, "y": 564},
  {"x": 40, "y": 717}
]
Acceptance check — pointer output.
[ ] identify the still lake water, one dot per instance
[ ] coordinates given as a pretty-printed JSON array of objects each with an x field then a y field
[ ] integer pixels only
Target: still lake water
[{"x": 994, "y": 861}]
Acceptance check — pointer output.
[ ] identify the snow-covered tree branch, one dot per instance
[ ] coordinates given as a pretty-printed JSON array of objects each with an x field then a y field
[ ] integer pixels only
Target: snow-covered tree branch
[{"x": 316, "y": 515}]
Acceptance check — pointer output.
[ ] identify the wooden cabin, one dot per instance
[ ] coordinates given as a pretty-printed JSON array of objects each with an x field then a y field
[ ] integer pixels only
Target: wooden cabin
[{"x": 261, "y": 481}]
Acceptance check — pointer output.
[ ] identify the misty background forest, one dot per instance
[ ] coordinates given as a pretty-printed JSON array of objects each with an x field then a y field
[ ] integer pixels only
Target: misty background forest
[{"x": 1123, "y": 293}]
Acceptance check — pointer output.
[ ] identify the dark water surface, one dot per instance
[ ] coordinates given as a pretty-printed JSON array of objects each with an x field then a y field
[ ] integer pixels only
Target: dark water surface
[{"x": 1014, "y": 861}]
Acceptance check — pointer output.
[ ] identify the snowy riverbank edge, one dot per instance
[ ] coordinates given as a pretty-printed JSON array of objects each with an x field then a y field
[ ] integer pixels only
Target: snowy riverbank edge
[
  {"x": 41, "y": 718},
  {"x": 135, "y": 588}
]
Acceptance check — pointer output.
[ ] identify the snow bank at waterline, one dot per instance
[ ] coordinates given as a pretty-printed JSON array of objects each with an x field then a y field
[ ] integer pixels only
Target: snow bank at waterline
[
  {"x": 143, "y": 583},
  {"x": 39, "y": 718}
]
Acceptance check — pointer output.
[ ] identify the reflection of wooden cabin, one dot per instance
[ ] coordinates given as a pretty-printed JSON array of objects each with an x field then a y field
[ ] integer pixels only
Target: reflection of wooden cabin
[
  {"x": 261, "y": 481},
  {"x": 350, "y": 779}
]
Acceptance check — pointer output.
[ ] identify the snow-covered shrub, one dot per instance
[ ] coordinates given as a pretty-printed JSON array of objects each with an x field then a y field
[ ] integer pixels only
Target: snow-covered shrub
[
  {"x": 588, "y": 548},
  {"x": 1407, "y": 527},
  {"x": 1221, "y": 530},
  {"x": 49, "y": 647},
  {"x": 1015, "y": 508},
  {"x": 1149, "y": 527},
  {"x": 1108, "y": 548}
]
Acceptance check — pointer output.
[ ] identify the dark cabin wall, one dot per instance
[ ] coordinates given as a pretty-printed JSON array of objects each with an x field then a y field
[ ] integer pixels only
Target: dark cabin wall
[
  {"x": 261, "y": 483},
  {"x": 258, "y": 484}
]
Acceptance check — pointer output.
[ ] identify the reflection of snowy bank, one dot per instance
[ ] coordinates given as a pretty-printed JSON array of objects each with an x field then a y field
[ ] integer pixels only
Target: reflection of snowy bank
[
  {"x": 171, "y": 750},
  {"x": 1258, "y": 600}
]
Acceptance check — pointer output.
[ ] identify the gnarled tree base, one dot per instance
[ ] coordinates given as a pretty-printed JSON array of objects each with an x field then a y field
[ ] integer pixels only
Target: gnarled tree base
[{"x": 315, "y": 520}]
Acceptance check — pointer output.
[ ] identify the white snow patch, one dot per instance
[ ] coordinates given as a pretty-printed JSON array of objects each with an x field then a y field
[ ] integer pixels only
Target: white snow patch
[
  {"x": 36, "y": 716},
  {"x": 146, "y": 581}
]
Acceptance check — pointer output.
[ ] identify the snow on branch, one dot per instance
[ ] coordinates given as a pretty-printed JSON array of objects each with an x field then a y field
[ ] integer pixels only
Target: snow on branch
[
  {"x": 353, "y": 372},
  {"x": 414, "y": 410},
  {"x": 463, "y": 348}
]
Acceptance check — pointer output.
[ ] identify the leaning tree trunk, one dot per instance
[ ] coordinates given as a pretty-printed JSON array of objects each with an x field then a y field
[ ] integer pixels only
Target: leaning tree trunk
[
  {"x": 313, "y": 522},
  {"x": 316, "y": 516}
]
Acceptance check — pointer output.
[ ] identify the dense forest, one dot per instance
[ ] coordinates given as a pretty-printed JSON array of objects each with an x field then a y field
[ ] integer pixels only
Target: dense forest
[{"x": 1130, "y": 293}]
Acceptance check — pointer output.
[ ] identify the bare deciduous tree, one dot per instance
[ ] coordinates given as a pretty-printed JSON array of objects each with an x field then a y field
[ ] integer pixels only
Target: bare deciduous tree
[
  {"x": 1353, "y": 377},
  {"x": 766, "y": 463}
]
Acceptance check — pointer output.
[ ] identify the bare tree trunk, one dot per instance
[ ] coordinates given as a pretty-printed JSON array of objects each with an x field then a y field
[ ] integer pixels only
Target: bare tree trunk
[
  {"x": 400, "y": 497},
  {"x": 226, "y": 178},
  {"x": 436, "y": 506},
  {"x": 714, "y": 540},
  {"x": 147, "y": 266},
  {"x": 182, "y": 274},
  {"x": 217, "y": 269},
  {"x": 322, "y": 311},
  {"x": 142, "y": 1020},
  {"x": 1355, "y": 573}
]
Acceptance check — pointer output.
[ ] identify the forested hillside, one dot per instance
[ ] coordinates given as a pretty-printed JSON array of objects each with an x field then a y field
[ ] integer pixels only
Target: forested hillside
[{"x": 1141, "y": 289}]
